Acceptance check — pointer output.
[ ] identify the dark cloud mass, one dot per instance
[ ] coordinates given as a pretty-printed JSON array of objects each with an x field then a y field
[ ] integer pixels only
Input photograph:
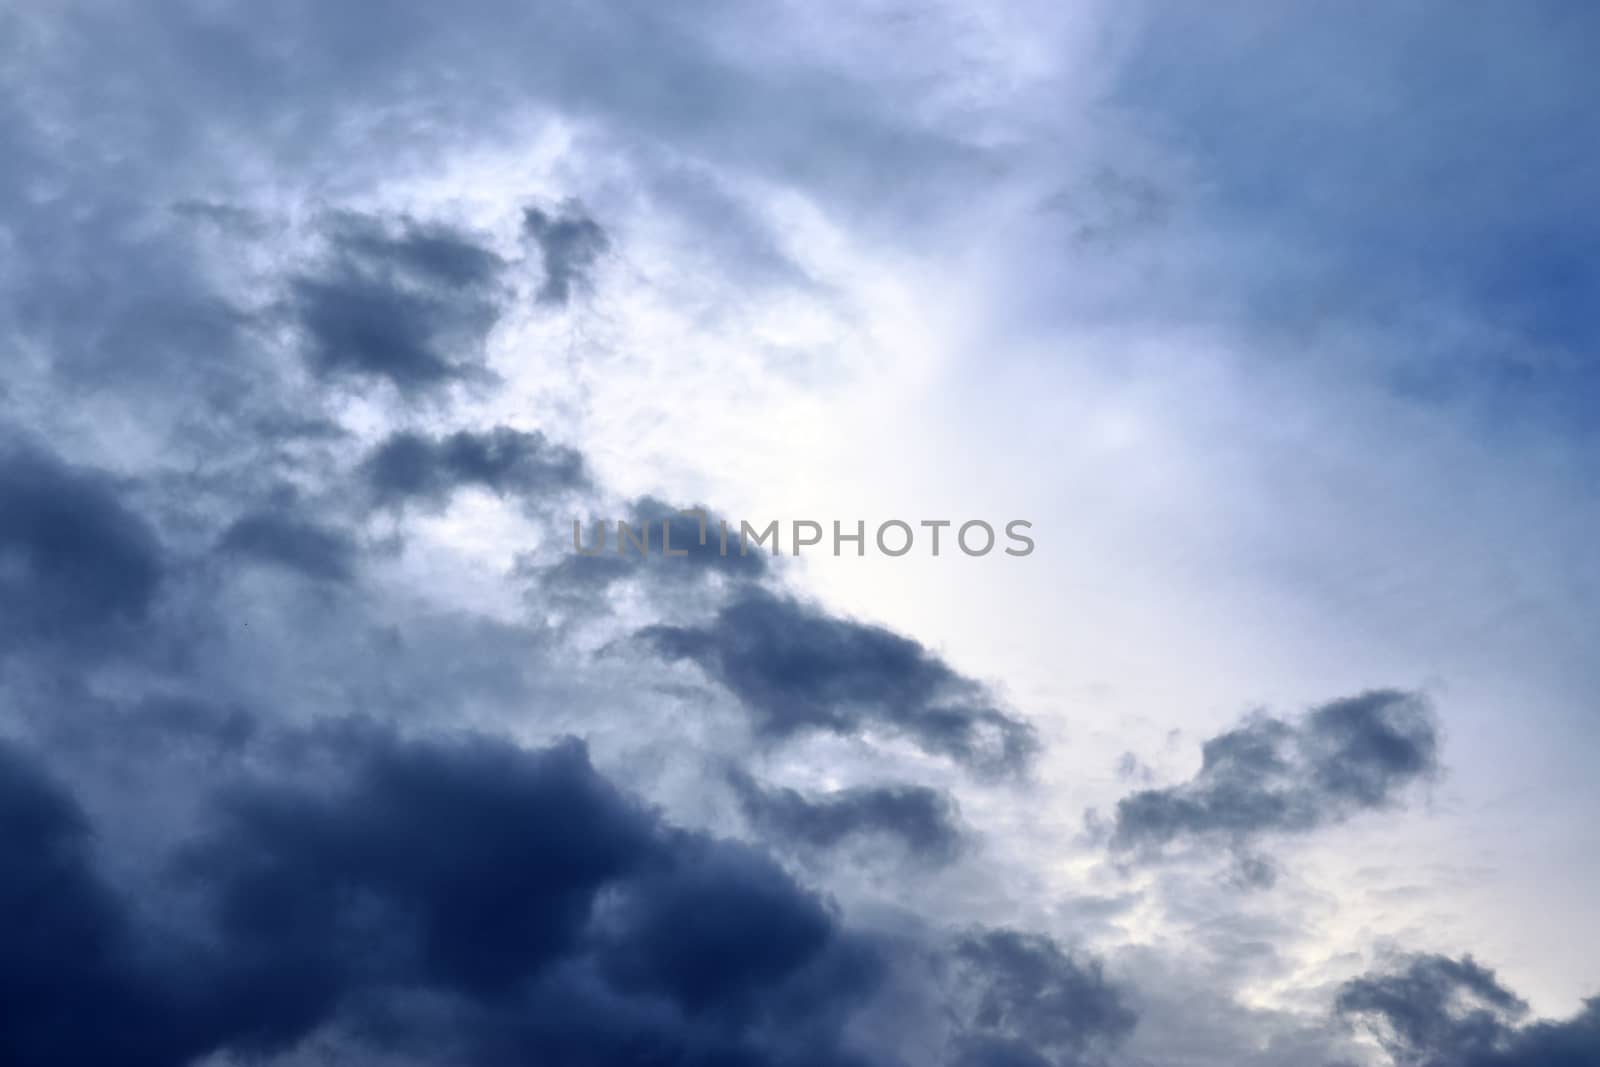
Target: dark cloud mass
[
  {"x": 489, "y": 855},
  {"x": 65, "y": 953},
  {"x": 570, "y": 243},
  {"x": 797, "y": 669},
  {"x": 412, "y": 308},
  {"x": 1029, "y": 1004},
  {"x": 922, "y": 819},
  {"x": 503, "y": 461},
  {"x": 1274, "y": 775},
  {"x": 74, "y": 560},
  {"x": 551, "y": 918},
  {"x": 1434, "y": 1011}
]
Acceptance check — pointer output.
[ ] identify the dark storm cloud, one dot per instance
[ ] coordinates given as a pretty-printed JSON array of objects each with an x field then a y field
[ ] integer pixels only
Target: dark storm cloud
[
  {"x": 549, "y": 917},
  {"x": 1027, "y": 1003},
  {"x": 1435, "y": 1011},
  {"x": 506, "y": 462},
  {"x": 80, "y": 983},
  {"x": 924, "y": 820},
  {"x": 723, "y": 932},
  {"x": 492, "y": 856},
  {"x": 1274, "y": 775},
  {"x": 62, "y": 941},
  {"x": 570, "y": 244},
  {"x": 796, "y": 669},
  {"x": 298, "y": 544},
  {"x": 74, "y": 560},
  {"x": 471, "y": 871},
  {"x": 411, "y": 305}
]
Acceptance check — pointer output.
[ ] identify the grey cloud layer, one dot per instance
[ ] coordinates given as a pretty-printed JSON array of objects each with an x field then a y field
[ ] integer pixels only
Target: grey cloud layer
[{"x": 255, "y": 800}]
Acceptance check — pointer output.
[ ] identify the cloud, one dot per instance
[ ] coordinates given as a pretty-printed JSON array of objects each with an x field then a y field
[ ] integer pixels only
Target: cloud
[
  {"x": 541, "y": 913},
  {"x": 467, "y": 846},
  {"x": 722, "y": 928},
  {"x": 74, "y": 560},
  {"x": 920, "y": 818},
  {"x": 223, "y": 863},
  {"x": 65, "y": 943},
  {"x": 1029, "y": 1004},
  {"x": 409, "y": 466},
  {"x": 570, "y": 243},
  {"x": 412, "y": 307},
  {"x": 1435, "y": 1011},
  {"x": 796, "y": 669},
  {"x": 421, "y": 251},
  {"x": 270, "y": 877},
  {"x": 1273, "y": 775},
  {"x": 302, "y": 545}
]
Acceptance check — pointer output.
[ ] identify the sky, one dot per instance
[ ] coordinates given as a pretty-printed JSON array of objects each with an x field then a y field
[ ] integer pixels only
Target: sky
[{"x": 325, "y": 329}]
